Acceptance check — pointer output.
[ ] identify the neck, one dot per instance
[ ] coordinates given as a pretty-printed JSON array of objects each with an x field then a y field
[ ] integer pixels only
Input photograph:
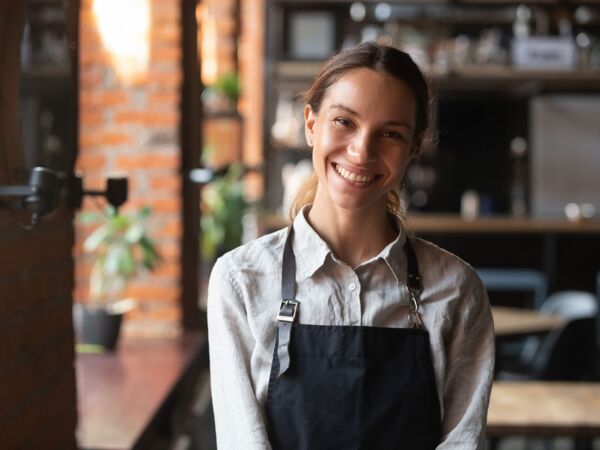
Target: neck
[{"x": 353, "y": 236}]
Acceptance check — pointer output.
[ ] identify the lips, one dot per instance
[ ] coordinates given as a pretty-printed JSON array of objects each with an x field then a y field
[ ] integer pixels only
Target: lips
[{"x": 353, "y": 176}]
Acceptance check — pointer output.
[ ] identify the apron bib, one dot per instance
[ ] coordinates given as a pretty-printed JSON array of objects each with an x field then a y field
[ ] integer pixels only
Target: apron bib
[{"x": 351, "y": 387}]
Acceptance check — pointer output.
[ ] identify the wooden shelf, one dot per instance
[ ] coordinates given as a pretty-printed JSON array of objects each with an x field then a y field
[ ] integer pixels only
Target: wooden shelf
[
  {"x": 427, "y": 223},
  {"x": 474, "y": 77},
  {"x": 454, "y": 224}
]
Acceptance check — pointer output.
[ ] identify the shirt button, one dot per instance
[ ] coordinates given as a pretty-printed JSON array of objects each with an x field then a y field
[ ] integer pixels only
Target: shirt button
[{"x": 352, "y": 287}]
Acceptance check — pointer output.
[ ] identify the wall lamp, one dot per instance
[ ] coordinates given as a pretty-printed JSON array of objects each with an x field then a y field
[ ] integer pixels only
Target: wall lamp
[
  {"x": 39, "y": 197},
  {"x": 116, "y": 192}
]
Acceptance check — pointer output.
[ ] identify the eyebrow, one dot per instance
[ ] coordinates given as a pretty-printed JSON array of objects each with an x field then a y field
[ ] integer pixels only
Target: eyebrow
[{"x": 354, "y": 113}]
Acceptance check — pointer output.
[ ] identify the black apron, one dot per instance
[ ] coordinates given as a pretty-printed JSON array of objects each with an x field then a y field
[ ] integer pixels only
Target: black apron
[{"x": 351, "y": 387}]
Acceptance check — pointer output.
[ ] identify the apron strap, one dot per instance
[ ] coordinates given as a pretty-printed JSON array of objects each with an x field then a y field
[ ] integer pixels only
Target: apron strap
[
  {"x": 414, "y": 286},
  {"x": 289, "y": 305}
]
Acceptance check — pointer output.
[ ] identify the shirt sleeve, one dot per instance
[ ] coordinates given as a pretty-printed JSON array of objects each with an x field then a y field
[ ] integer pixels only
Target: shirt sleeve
[
  {"x": 238, "y": 420},
  {"x": 470, "y": 354}
]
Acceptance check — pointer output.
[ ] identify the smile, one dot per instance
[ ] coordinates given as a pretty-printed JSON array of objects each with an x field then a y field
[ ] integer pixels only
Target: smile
[{"x": 351, "y": 176}]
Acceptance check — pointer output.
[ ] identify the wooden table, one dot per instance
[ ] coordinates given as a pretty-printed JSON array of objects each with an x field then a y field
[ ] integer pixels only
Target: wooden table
[
  {"x": 121, "y": 394},
  {"x": 519, "y": 322},
  {"x": 544, "y": 409}
]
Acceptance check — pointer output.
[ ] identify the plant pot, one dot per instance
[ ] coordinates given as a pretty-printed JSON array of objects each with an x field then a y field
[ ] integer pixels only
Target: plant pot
[{"x": 97, "y": 326}]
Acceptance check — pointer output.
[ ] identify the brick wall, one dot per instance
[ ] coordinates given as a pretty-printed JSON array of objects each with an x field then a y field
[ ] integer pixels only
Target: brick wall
[
  {"x": 37, "y": 378},
  {"x": 231, "y": 34},
  {"x": 251, "y": 61},
  {"x": 133, "y": 127}
]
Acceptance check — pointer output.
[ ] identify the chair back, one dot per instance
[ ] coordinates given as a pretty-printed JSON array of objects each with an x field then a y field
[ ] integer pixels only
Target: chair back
[
  {"x": 567, "y": 304},
  {"x": 568, "y": 354},
  {"x": 571, "y": 304}
]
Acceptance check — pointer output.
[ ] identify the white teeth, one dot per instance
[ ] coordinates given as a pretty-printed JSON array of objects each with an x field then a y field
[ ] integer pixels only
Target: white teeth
[{"x": 352, "y": 176}]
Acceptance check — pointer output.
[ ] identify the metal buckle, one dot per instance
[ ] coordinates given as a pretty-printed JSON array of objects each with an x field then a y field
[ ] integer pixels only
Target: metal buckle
[
  {"x": 287, "y": 310},
  {"x": 414, "y": 317}
]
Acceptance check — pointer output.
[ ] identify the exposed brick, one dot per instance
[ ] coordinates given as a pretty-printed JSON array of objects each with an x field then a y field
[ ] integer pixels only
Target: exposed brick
[
  {"x": 91, "y": 118},
  {"x": 91, "y": 100},
  {"x": 169, "y": 182},
  {"x": 170, "y": 251},
  {"x": 135, "y": 127},
  {"x": 149, "y": 292},
  {"x": 103, "y": 138},
  {"x": 165, "y": 54},
  {"x": 165, "y": 98},
  {"x": 165, "y": 79},
  {"x": 88, "y": 161},
  {"x": 147, "y": 118},
  {"x": 172, "y": 228},
  {"x": 88, "y": 36},
  {"x": 165, "y": 34},
  {"x": 90, "y": 78},
  {"x": 165, "y": 205},
  {"x": 164, "y": 12},
  {"x": 97, "y": 57},
  {"x": 147, "y": 161},
  {"x": 169, "y": 270}
]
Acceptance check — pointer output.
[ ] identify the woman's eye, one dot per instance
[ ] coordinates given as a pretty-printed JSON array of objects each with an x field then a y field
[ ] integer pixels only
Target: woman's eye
[
  {"x": 343, "y": 122},
  {"x": 393, "y": 135}
]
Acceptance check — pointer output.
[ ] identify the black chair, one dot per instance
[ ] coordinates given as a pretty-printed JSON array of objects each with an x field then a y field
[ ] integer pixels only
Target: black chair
[
  {"x": 566, "y": 354},
  {"x": 549, "y": 357}
]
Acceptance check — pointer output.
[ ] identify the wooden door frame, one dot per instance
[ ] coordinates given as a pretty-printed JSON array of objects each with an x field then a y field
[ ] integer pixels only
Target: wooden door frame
[{"x": 192, "y": 318}]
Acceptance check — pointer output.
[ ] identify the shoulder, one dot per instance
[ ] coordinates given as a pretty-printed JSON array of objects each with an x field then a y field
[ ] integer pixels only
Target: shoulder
[
  {"x": 263, "y": 250},
  {"x": 443, "y": 267},
  {"x": 258, "y": 258}
]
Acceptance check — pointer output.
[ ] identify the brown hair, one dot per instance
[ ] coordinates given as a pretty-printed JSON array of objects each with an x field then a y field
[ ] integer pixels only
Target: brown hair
[{"x": 380, "y": 58}]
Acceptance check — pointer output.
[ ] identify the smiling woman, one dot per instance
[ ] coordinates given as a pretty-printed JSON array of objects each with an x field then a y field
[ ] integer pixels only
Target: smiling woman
[{"x": 341, "y": 331}]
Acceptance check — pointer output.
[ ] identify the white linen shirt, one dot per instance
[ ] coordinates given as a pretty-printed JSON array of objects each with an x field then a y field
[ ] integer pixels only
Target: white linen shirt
[{"x": 244, "y": 297}]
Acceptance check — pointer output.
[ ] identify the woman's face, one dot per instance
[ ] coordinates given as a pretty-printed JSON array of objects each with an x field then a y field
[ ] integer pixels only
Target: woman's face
[{"x": 361, "y": 138}]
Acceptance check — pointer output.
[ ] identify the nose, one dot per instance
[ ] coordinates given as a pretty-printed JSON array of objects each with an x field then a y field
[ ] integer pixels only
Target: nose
[{"x": 359, "y": 149}]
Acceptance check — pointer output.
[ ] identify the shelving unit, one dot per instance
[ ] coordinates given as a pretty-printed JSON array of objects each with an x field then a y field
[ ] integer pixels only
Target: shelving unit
[{"x": 496, "y": 94}]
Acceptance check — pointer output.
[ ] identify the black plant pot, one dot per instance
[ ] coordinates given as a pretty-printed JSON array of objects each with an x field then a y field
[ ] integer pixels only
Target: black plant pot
[{"x": 97, "y": 326}]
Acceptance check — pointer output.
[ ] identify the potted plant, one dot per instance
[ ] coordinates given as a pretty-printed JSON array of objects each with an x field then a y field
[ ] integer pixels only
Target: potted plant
[
  {"x": 223, "y": 94},
  {"x": 122, "y": 250},
  {"x": 223, "y": 208}
]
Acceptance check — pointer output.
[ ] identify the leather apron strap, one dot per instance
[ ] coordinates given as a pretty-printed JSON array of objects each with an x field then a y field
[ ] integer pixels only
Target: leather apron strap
[{"x": 289, "y": 305}]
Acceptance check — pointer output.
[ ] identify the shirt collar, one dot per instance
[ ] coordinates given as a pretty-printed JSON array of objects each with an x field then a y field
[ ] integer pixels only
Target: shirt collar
[
  {"x": 393, "y": 253},
  {"x": 311, "y": 250}
]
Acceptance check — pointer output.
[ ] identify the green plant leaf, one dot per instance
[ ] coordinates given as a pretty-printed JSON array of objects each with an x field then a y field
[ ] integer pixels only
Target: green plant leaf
[
  {"x": 122, "y": 248},
  {"x": 98, "y": 237},
  {"x": 134, "y": 233},
  {"x": 89, "y": 217}
]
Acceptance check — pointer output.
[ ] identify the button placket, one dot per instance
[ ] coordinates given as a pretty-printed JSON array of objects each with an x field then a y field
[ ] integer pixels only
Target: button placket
[{"x": 353, "y": 287}]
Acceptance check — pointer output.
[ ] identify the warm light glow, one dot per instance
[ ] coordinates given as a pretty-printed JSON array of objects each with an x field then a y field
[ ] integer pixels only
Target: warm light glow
[
  {"x": 207, "y": 39},
  {"x": 124, "y": 26}
]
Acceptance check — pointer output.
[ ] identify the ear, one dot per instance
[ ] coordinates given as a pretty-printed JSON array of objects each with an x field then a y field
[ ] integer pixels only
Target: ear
[{"x": 310, "y": 117}]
